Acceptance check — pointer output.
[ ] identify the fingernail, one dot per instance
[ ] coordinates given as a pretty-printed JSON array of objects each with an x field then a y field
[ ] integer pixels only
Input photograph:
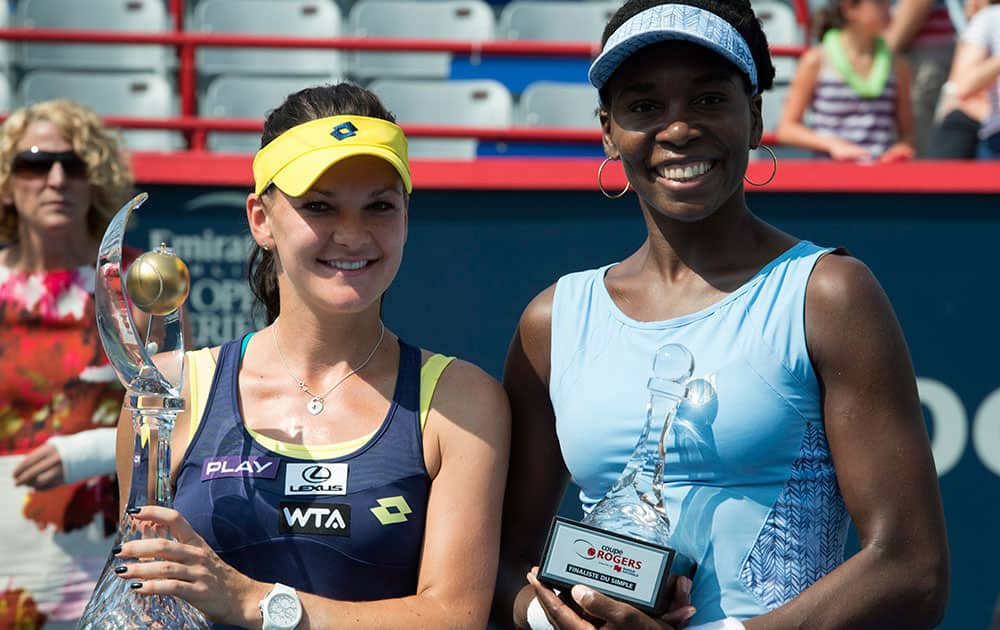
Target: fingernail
[
  {"x": 133, "y": 510},
  {"x": 135, "y": 585},
  {"x": 117, "y": 549},
  {"x": 581, "y": 593},
  {"x": 121, "y": 568},
  {"x": 690, "y": 613},
  {"x": 685, "y": 586}
]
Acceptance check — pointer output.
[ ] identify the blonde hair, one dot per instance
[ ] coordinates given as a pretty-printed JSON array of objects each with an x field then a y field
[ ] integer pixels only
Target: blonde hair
[{"x": 108, "y": 169}]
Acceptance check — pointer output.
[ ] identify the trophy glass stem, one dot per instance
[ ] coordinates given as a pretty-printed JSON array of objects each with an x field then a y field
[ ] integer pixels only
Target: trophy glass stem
[
  {"x": 113, "y": 605},
  {"x": 655, "y": 495}
]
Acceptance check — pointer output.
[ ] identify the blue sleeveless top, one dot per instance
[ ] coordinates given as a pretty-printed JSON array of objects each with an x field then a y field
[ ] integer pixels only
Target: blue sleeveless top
[
  {"x": 750, "y": 487},
  {"x": 348, "y": 528}
]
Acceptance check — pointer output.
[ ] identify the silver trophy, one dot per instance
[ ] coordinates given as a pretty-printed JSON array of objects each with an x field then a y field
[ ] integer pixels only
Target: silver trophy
[
  {"x": 622, "y": 547},
  {"x": 157, "y": 282}
]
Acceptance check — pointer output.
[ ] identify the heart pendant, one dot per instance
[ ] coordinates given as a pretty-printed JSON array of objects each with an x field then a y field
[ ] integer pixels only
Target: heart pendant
[{"x": 315, "y": 406}]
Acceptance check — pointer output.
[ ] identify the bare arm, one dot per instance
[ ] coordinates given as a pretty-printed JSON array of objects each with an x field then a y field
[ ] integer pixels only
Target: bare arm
[
  {"x": 791, "y": 129},
  {"x": 903, "y": 149},
  {"x": 538, "y": 476},
  {"x": 908, "y": 19},
  {"x": 882, "y": 456},
  {"x": 973, "y": 70}
]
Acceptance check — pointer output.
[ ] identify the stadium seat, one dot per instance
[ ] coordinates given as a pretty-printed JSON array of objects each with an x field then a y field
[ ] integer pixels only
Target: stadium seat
[
  {"x": 6, "y": 94},
  {"x": 782, "y": 29},
  {"x": 773, "y": 104},
  {"x": 246, "y": 97},
  {"x": 139, "y": 16},
  {"x": 301, "y": 18},
  {"x": 462, "y": 20},
  {"x": 551, "y": 104},
  {"x": 553, "y": 20},
  {"x": 471, "y": 103},
  {"x": 140, "y": 94}
]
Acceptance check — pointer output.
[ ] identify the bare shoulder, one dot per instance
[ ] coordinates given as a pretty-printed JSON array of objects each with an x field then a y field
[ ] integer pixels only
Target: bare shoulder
[
  {"x": 811, "y": 59},
  {"x": 537, "y": 315},
  {"x": 840, "y": 282},
  {"x": 467, "y": 394}
]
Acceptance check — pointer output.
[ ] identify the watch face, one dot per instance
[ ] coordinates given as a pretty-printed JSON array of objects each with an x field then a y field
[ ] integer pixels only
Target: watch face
[{"x": 283, "y": 610}]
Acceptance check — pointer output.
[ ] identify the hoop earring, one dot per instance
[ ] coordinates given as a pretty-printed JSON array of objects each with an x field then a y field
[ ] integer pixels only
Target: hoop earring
[
  {"x": 600, "y": 184},
  {"x": 774, "y": 171}
]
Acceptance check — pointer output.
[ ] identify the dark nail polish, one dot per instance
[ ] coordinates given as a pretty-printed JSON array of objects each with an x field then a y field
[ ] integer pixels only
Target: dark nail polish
[
  {"x": 133, "y": 510},
  {"x": 117, "y": 549},
  {"x": 135, "y": 585},
  {"x": 121, "y": 568}
]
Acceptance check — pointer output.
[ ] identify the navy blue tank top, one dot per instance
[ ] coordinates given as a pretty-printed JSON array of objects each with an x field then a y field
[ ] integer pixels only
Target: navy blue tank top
[{"x": 348, "y": 528}]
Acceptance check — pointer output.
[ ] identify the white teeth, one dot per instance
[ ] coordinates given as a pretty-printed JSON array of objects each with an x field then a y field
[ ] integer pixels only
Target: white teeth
[
  {"x": 348, "y": 266},
  {"x": 686, "y": 172}
]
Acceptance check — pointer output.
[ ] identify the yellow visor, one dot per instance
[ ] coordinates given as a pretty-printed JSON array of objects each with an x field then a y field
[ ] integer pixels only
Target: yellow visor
[{"x": 295, "y": 160}]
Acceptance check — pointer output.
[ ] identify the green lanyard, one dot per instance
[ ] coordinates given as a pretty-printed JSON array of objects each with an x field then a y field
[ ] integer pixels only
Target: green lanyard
[{"x": 871, "y": 86}]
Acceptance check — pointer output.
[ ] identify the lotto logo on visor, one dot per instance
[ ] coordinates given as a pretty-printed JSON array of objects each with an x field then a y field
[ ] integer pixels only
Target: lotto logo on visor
[
  {"x": 297, "y": 158},
  {"x": 329, "y": 479}
]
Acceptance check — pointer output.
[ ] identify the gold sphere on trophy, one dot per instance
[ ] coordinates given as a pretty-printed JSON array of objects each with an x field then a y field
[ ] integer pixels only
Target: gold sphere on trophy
[{"x": 158, "y": 281}]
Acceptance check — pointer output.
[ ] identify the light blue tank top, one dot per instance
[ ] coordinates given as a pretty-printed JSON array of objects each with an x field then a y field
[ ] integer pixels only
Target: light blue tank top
[{"x": 750, "y": 486}]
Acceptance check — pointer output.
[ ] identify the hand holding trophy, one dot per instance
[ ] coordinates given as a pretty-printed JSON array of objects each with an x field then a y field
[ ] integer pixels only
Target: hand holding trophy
[
  {"x": 157, "y": 283},
  {"x": 622, "y": 546}
]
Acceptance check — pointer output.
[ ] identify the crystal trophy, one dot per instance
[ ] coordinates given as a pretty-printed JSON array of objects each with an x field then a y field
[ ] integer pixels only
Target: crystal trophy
[
  {"x": 622, "y": 546},
  {"x": 157, "y": 282}
]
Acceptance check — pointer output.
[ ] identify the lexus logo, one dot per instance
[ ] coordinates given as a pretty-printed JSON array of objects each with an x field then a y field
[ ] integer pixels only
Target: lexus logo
[{"x": 316, "y": 474}]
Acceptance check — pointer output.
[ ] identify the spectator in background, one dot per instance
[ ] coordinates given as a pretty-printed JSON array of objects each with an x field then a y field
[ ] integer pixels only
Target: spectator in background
[
  {"x": 977, "y": 68},
  {"x": 856, "y": 89},
  {"x": 62, "y": 177},
  {"x": 958, "y": 120},
  {"x": 923, "y": 31}
]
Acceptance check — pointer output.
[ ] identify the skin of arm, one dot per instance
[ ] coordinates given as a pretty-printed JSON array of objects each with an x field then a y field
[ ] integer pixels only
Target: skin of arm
[
  {"x": 537, "y": 477},
  {"x": 468, "y": 427},
  {"x": 903, "y": 149},
  {"x": 973, "y": 70},
  {"x": 907, "y": 21},
  {"x": 882, "y": 457},
  {"x": 791, "y": 130}
]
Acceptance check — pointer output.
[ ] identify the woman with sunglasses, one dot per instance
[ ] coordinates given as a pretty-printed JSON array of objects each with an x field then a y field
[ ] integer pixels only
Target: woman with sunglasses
[
  {"x": 327, "y": 473},
  {"x": 62, "y": 177}
]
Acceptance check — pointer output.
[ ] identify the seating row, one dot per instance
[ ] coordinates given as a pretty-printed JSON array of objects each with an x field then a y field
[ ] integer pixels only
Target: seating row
[
  {"x": 464, "y": 103},
  {"x": 455, "y": 20}
]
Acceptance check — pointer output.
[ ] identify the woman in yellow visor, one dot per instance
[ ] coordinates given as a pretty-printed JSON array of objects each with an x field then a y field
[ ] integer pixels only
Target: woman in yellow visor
[{"x": 327, "y": 473}]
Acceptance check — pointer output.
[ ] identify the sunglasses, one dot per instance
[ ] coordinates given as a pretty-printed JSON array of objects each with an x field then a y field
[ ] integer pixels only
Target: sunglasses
[{"x": 36, "y": 163}]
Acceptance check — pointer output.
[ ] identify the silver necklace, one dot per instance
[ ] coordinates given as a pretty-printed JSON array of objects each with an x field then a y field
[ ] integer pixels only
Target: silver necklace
[{"x": 315, "y": 404}]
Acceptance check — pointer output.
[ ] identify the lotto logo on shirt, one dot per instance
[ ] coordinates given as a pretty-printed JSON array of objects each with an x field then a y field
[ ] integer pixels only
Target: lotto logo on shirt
[
  {"x": 237, "y": 466},
  {"x": 327, "y": 479},
  {"x": 325, "y": 519}
]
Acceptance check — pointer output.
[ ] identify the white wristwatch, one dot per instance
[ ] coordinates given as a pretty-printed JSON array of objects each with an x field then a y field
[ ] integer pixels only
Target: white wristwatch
[{"x": 281, "y": 609}]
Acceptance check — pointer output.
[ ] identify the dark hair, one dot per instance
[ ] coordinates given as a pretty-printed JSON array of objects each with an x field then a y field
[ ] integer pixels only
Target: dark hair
[
  {"x": 829, "y": 18},
  {"x": 298, "y": 108},
  {"x": 738, "y": 13}
]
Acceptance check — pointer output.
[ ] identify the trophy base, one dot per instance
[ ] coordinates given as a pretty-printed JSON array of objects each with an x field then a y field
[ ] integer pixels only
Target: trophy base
[
  {"x": 117, "y": 607},
  {"x": 625, "y": 568}
]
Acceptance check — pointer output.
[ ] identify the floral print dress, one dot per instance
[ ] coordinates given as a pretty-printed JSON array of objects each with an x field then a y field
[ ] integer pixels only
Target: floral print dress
[{"x": 54, "y": 379}]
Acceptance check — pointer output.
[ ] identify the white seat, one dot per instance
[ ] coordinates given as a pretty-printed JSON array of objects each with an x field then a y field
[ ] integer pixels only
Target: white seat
[
  {"x": 773, "y": 103},
  {"x": 461, "y": 20},
  {"x": 143, "y": 94},
  {"x": 6, "y": 94},
  {"x": 782, "y": 29},
  {"x": 470, "y": 103},
  {"x": 551, "y": 104},
  {"x": 301, "y": 18},
  {"x": 246, "y": 97},
  {"x": 137, "y": 16},
  {"x": 550, "y": 20}
]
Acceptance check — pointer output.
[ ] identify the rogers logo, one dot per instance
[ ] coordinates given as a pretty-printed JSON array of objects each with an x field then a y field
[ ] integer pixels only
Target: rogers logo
[
  {"x": 316, "y": 474},
  {"x": 584, "y": 548}
]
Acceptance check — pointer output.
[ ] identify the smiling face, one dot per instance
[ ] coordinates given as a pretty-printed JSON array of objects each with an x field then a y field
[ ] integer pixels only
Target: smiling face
[
  {"x": 682, "y": 122},
  {"x": 340, "y": 244},
  {"x": 52, "y": 199}
]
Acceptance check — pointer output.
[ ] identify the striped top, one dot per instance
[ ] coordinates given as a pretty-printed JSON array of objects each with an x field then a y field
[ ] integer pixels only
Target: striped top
[{"x": 837, "y": 110}]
